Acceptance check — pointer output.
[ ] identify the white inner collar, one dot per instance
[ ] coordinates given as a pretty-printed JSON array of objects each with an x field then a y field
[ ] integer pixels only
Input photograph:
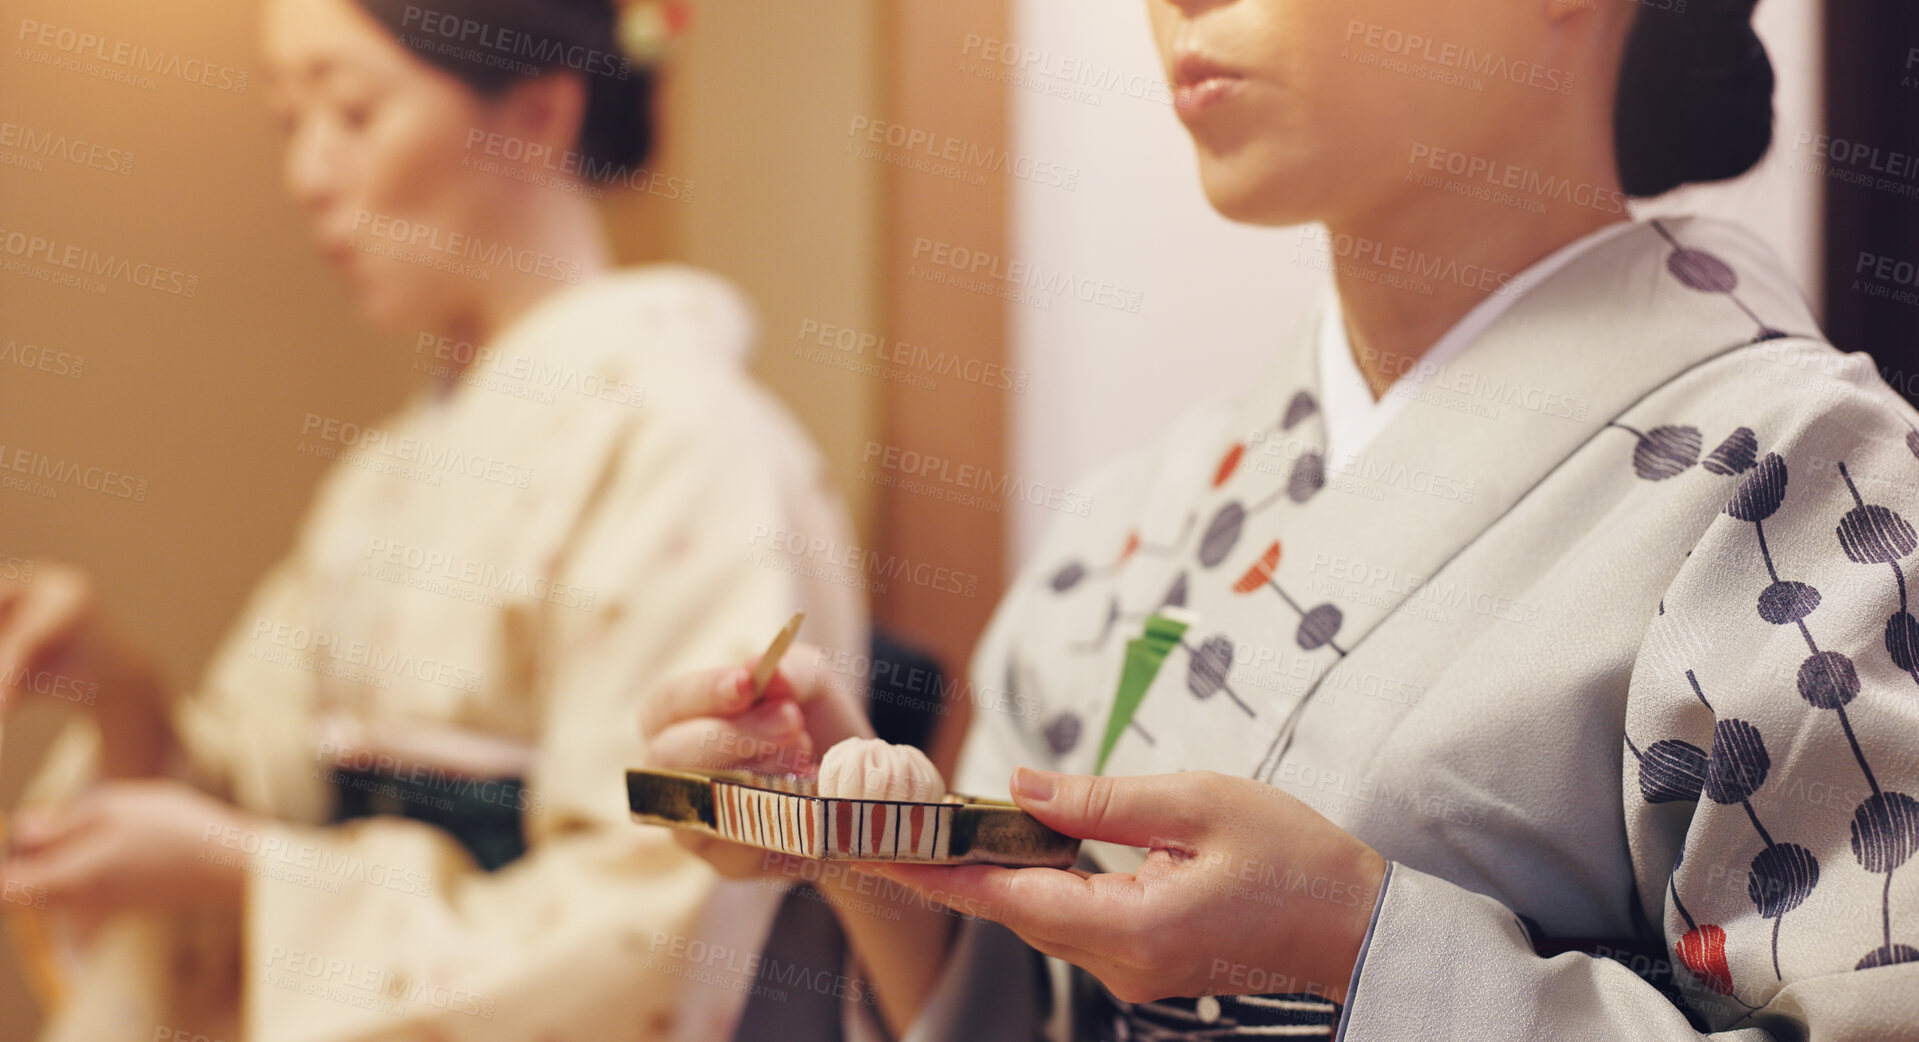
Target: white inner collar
[{"x": 1351, "y": 416}]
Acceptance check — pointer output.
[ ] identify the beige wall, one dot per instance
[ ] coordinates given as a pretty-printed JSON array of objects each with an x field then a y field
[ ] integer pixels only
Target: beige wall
[
  {"x": 959, "y": 421},
  {"x": 202, "y": 398},
  {"x": 761, "y": 99}
]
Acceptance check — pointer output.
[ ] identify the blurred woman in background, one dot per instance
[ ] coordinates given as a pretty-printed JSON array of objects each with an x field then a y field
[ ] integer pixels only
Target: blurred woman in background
[{"x": 403, "y": 814}]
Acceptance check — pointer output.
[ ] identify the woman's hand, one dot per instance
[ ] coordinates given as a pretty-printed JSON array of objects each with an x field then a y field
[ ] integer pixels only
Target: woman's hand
[
  {"x": 54, "y": 638},
  {"x": 1245, "y": 889},
  {"x": 712, "y": 721},
  {"x": 127, "y": 844},
  {"x": 57, "y": 642}
]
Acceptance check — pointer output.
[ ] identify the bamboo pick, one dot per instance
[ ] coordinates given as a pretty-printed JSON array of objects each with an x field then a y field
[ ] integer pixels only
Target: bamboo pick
[{"x": 770, "y": 662}]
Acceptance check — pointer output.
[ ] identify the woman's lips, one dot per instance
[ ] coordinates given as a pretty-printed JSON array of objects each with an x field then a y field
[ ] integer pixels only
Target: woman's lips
[
  {"x": 1201, "y": 84},
  {"x": 342, "y": 258},
  {"x": 337, "y": 251},
  {"x": 1207, "y": 93}
]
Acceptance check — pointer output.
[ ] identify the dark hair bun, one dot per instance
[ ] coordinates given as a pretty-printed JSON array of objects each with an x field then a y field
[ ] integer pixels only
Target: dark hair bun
[
  {"x": 1695, "y": 96},
  {"x": 617, "y": 133},
  {"x": 492, "y": 44}
]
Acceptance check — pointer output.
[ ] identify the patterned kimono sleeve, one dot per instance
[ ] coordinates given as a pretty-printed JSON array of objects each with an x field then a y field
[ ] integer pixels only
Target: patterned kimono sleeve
[{"x": 1771, "y": 786}]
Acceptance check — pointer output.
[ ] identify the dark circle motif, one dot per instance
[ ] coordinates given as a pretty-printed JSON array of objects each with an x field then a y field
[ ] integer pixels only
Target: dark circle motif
[
  {"x": 1902, "y": 640},
  {"x": 1702, "y": 271},
  {"x": 1222, "y": 535},
  {"x": 1786, "y": 602},
  {"x": 1068, "y": 577},
  {"x": 1319, "y": 627},
  {"x": 1890, "y": 955},
  {"x": 1063, "y": 733},
  {"x": 1761, "y": 493},
  {"x": 1780, "y": 879},
  {"x": 1885, "y": 831},
  {"x": 1828, "y": 680},
  {"x": 1666, "y": 452},
  {"x": 1177, "y": 595},
  {"x": 1211, "y": 664},
  {"x": 1738, "y": 764},
  {"x": 1301, "y": 407},
  {"x": 1672, "y": 771},
  {"x": 1876, "y": 535},
  {"x": 1736, "y": 455},
  {"x": 1309, "y": 476}
]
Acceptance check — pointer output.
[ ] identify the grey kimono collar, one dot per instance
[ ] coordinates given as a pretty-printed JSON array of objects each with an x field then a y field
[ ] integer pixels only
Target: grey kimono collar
[{"x": 1575, "y": 354}]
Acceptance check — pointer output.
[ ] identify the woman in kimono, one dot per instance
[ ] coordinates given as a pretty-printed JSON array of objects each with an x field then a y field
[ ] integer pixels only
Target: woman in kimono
[
  {"x": 1528, "y": 654},
  {"x": 406, "y": 819}
]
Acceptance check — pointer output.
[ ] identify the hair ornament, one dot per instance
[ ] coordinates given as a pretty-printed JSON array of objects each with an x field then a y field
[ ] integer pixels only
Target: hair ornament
[{"x": 649, "y": 30}]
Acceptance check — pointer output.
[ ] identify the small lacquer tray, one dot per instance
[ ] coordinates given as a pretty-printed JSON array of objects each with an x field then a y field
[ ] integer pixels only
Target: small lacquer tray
[{"x": 784, "y": 814}]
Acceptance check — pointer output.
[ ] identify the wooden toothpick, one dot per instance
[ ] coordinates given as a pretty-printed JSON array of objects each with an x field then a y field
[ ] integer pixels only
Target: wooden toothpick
[{"x": 770, "y": 662}]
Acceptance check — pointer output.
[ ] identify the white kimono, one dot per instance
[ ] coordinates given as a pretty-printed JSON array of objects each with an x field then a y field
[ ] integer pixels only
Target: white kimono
[
  {"x": 1604, "y": 638},
  {"x": 486, "y": 588}
]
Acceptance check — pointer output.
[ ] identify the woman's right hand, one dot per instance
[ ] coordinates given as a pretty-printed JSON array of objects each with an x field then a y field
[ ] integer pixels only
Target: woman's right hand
[
  {"x": 712, "y": 721},
  {"x": 707, "y": 721},
  {"x": 57, "y": 642},
  {"x": 54, "y": 639}
]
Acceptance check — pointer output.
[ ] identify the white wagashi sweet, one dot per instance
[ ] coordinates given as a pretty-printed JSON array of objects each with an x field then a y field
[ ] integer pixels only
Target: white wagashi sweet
[{"x": 873, "y": 769}]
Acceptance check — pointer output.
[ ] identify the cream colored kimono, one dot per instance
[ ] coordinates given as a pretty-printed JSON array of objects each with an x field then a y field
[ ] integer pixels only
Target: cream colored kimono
[
  {"x": 485, "y": 587},
  {"x": 1607, "y": 637}
]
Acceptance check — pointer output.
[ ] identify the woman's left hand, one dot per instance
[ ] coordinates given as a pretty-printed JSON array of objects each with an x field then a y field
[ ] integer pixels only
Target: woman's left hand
[
  {"x": 1246, "y": 890},
  {"x": 145, "y": 843}
]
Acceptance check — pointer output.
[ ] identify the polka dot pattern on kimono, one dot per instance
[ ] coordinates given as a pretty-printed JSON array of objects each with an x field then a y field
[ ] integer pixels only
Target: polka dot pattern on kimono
[
  {"x": 1706, "y": 272},
  {"x": 1209, "y": 537},
  {"x": 1318, "y": 627},
  {"x": 1884, "y": 827}
]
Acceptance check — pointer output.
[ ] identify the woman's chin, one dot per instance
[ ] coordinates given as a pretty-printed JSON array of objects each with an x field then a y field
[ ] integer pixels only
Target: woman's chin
[
  {"x": 389, "y": 306},
  {"x": 1258, "y": 197}
]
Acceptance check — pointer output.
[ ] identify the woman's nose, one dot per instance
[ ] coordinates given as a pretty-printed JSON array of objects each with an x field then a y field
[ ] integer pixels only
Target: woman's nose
[
  {"x": 311, "y": 170},
  {"x": 1192, "y": 7}
]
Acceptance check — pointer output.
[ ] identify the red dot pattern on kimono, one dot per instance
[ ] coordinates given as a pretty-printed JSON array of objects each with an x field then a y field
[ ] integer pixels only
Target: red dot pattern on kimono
[
  {"x": 1229, "y": 465},
  {"x": 1703, "y": 950},
  {"x": 1261, "y": 572}
]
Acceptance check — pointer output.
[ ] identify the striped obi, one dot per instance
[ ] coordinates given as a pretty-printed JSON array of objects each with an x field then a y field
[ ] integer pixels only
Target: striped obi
[{"x": 1099, "y": 1017}]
